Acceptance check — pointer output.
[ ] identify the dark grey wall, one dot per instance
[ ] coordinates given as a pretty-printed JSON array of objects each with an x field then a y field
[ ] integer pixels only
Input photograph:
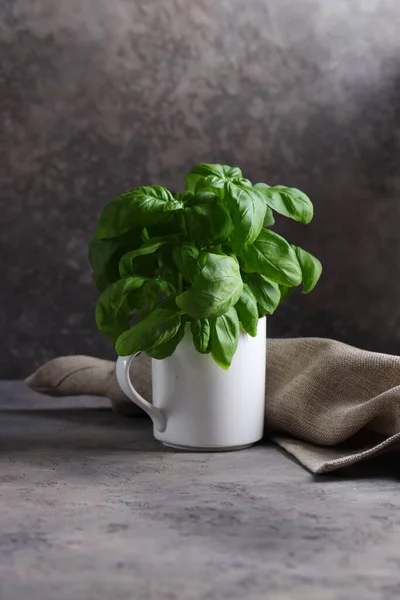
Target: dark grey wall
[{"x": 101, "y": 95}]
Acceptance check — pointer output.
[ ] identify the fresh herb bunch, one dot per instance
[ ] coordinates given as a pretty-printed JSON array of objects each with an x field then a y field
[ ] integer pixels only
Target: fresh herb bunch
[{"x": 205, "y": 256}]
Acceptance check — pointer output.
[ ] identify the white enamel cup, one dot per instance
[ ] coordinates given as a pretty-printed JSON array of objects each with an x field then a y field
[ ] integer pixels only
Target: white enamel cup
[{"x": 199, "y": 406}]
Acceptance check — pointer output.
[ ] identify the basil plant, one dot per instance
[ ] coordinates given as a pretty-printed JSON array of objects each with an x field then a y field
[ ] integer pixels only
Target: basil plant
[{"x": 205, "y": 257}]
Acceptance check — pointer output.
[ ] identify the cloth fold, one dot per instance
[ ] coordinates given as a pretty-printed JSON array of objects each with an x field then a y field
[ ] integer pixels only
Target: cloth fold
[{"x": 328, "y": 404}]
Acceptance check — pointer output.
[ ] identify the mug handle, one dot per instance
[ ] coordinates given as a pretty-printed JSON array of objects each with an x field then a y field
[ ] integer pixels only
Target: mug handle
[{"x": 122, "y": 372}]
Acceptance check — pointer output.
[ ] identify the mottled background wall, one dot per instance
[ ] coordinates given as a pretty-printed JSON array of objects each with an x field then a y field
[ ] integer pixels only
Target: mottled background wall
[{"x": 100, "y": 95}]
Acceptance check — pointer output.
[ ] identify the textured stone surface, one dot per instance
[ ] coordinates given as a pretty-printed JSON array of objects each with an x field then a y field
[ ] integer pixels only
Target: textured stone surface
[
  {"x": 98, "y": 96},
  {"x": 92, "y": 507}
]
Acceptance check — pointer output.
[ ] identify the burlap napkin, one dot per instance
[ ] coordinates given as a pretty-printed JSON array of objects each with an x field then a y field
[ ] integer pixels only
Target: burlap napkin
[{"x": 328, "y": 404}]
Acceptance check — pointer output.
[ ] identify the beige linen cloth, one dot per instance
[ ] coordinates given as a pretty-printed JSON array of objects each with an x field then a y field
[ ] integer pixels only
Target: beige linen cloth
[{"x": 328, "y": 404}]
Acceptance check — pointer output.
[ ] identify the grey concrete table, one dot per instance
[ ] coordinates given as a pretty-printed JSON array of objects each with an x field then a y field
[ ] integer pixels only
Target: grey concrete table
[{"x": 92, "y": 508}]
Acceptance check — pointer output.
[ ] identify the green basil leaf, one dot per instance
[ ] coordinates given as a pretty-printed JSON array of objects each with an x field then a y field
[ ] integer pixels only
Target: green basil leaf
[
  {"x": 212, "y": 184},
  {"x": 201, "y": 198},
  {"x": 113, "y": 311},
  {"x": 104, "y": 257},
  {"x": 311, "y": 269},
  {"x": 191, "y": 180},
  {"x": 146, "y": 298},
  {"x": 203, "y": 258},
  {"x": 200, "y": 329},
  {"x": 125, "y": 265},
  {"x": 204, "y": 170},
  {"x": 269, "y": 218},
  {"x": 208, "y": 223},
  {"x": 168, "y": 348},
  {"x": 137, "y": 207},
  {"x": 184, "y": 197},
  {"x": 186, "y": 259},
  {"x": 150, "y": 256},
  {"x": 225, "y": 333},
  {"x": 158, "y": 327},
  {"x": 243, "y": 182},
  {"x": 266, "y": 293},
  {"x": 287, "y": 201},
  {"x": 215, "y": 289},
  {"x": 247, "y": 207},
  {"x": 246, "y": 308},
  {"x": 272, "y": 256}
]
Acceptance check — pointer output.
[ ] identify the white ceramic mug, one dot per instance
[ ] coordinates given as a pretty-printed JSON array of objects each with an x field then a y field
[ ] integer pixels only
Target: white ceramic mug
[{"x": 199, "y": 406}]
